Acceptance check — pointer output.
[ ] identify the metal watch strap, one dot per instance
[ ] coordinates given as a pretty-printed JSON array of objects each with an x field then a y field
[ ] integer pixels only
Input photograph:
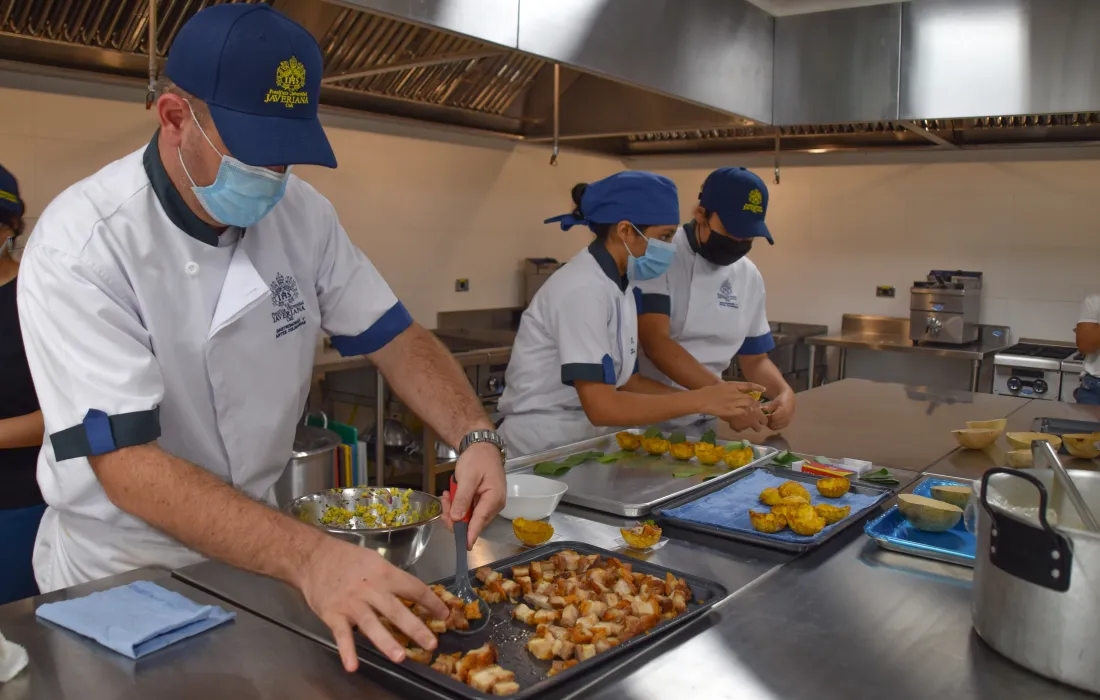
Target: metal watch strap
[{"x": 476, "y": 436}]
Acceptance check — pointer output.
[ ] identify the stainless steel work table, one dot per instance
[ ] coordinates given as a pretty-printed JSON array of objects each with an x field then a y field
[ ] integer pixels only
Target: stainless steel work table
[
  {"x": 246, "y": 659},
  {"x": 971, "y": 464},
  {"x": 890, "y": 424}
]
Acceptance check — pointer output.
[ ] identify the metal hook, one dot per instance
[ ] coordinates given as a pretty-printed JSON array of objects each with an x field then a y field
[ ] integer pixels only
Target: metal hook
[{"x": 151, "y": 95}]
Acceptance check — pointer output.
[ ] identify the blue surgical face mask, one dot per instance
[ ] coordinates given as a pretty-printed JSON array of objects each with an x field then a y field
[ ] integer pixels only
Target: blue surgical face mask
[
  {"x": 241, "y": 194},
  {"x": 654, "y": 263}
]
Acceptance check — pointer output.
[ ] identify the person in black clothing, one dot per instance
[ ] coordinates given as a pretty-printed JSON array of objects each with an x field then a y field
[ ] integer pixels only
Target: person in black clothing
[{"x": 21, "y": 428}]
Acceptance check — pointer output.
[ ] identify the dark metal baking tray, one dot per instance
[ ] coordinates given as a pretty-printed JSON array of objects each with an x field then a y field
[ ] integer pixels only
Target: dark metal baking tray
[
  {"x": 510, "y": 636},
  {"x": 882, "y": 493},
  {"x": 633, "y": 486},
  {"x": 890, "y": 531}
]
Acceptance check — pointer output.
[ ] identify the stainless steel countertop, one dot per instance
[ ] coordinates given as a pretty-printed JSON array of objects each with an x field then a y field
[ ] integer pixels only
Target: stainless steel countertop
[
  {"x": 898, "y": 343},
  {"x": 247, "y": 659},
  {"x": 971, "y": 464},
  {"x": 845, "y": 622},
  {"x": 890, "y": 424}
]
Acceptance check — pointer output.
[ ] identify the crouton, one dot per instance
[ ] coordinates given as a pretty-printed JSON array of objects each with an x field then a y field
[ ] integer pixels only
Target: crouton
[
  {"x": 557, "y": 602},
  {"x": 437, "y": 626},
  {"x": 446, "y": 663},
  {"x": 585, "y": 652},
  {"x": 419, "y": 655},
  {"x": 569, "y": 615},
  {"x": 541, "y": 648},
  {"x": 518, "y": 571},
  {"x": 505, "y": 688},
  {"x": 524, "y": 614},
  {"x": 526, "y": 585},
  {"x": 559, "y": 666},
  {"x": 537, "y": 601},
  {"x": 472, "y": 611},
  {"x": 484, "y": 679},
  {"x": 563, "y": 649},
  {"x": 593, "y": 607},
  {"x": 546, "y": 616}
]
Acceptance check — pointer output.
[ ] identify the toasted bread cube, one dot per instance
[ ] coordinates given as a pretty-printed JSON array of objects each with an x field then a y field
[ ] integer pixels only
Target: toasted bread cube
[
  {"x": 505, "y": 688},
  {"x": 559, "y": 666},
  {"x": 611, "y": 600},
  {"x": 489, "y": 596},
  {"x": 585, "y": 652},
  {"x": 679, "y": 602},
  {"x": 584, "y": 594},
  {"x": 484, "y": 574},
  {"x": 545, "y": 588},
  {"x": 536, "y": 570},
  {"x": 446, "y": 663},
  {"x": 420, "y": 656},
  {"x": 643, "y": 607},
  {"x": 524, "y": 614},
  {"x": 511, "y": 589},
  {"x": 525, "y": 583},
  {"x": 639, "y": 625},
  {"x": 588, "y": 621},
  {"x": 569, "y": 615},
  {"x": 563, "y": 648},
  {"x": 541, "y": 648},
  {"x": 624, "y": 588},
  {"x": 437, "y": 626},
  {"x": 592, "y": 607},
  {"x": 613, "y": 615},
  {"x": 518, "y": 571},
  {"x": 472, "y": 611},
  {"x": 581, "y": 635},
  {"x": 557, "y": 602},
  {"x": 484, "y": 679},
  {"x": 566, "y": 560},
  {"x": 457, "y": 620},
  {"x": 537, "y": 601},
  {"x": 546, "y": 616}
]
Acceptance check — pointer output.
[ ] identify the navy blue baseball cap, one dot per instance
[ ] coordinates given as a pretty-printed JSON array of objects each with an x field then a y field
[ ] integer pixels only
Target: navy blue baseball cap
[
  {"x": 260, "y": 74},
  {"x": 740, "y": 199},
  {"x": 9, "y": 193},
  {"x": 642, "y": 198}
]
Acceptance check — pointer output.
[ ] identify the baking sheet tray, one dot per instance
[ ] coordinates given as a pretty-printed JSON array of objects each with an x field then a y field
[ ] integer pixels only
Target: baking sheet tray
[
  {"x": 878, "y": 494},
  {"x": 891, "y": 531},
  {"x": 633, "y": 486},
  {"x": 510, "y": 636}
]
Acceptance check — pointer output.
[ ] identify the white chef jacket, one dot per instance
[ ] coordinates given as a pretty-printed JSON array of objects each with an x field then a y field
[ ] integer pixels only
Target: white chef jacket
[
  {"x": 1090, "y": 313},
  {"x": 141, "y": 323},
  {"x": 582, "y": 324},
  {"x": 715, "y": 312}
]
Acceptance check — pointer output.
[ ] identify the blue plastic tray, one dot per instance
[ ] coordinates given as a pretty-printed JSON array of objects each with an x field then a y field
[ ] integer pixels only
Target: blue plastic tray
[{"x": 891, "y": 531}]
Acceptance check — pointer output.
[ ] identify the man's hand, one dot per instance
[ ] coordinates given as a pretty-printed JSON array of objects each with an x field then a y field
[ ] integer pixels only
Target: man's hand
[
  {"x": 780, "y": 411},
  {"x": 481, "y": 487},
  {"x": 349, "y": 586},
  {"x": 753, "y": 419}
]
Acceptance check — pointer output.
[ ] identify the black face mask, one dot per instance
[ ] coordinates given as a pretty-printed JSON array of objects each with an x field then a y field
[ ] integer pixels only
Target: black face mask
[{"x": 723, "y": 250}]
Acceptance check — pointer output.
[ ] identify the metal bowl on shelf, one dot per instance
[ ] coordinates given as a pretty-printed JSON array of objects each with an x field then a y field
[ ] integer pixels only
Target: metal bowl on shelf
[{"x": 396, "y": 523}]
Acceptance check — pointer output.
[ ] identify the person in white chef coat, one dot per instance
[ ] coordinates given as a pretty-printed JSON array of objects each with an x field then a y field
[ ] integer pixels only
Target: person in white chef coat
[
  {"x": 171, "y": 304},
  {"x": 710, "y": 306},
  {"x": 1088, "y": 343},
  {"x": 574, "y": 368}
]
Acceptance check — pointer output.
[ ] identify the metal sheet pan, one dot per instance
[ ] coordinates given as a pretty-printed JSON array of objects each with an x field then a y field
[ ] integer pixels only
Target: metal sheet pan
[
  {"x": 891, "y": 531},
  {"x": 881, "y": 493},
  {"x": 633, "y": 486},
  {"x": 510, "y": 636}
]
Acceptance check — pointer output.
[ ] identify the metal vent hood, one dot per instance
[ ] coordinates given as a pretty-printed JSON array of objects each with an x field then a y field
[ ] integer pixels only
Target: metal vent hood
[
  {"x": 481, "y": 64},
  {"x": 655, "y": 76}
]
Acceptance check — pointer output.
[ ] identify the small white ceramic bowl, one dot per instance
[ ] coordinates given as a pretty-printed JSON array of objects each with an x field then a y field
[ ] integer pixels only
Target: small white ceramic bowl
[{"x": 532, "y": 497}]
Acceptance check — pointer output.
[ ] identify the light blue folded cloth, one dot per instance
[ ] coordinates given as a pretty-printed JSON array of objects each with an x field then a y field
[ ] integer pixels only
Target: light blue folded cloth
[{"x": 136, "y": 619}]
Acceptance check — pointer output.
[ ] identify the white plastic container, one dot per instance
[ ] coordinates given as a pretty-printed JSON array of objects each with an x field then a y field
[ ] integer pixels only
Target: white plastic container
[{"x": 532, "y": 497}]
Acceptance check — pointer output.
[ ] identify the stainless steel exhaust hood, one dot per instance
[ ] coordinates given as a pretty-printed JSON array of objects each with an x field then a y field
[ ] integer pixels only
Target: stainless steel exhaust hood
[{"x": 656, "y": 76}]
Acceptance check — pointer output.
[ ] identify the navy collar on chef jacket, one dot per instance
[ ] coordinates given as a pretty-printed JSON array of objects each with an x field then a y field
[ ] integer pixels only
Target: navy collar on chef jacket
[
  {"x": 607, "y": 264},
  {"x": 171, "y": 201}
]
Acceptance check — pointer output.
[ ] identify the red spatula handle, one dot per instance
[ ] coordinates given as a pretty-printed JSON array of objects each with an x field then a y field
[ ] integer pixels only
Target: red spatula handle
[{"x": 454, "y": 492}]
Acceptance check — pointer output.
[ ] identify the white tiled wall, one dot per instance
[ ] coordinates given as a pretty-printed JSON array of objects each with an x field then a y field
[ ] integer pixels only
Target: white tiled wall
[
  {"x": 427, "y": 207},
  {"x": 1029, "y": 220}
]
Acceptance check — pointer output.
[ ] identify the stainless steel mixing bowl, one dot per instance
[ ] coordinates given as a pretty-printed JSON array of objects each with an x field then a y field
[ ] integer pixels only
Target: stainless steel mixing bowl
[{"x": 401, "y": 543}]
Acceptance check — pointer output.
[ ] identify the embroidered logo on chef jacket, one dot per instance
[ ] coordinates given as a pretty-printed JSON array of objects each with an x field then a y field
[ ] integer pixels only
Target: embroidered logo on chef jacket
[
  {"x": 726, "y": 297},
  {"x": 290, "y": 309},
  {"x": 291, "y": 77},
  {"x": 756, "y": 199}
]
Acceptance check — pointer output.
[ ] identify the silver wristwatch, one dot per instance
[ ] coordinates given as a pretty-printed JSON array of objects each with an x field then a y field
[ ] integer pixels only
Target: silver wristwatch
[{"x": 476, "y": 436}]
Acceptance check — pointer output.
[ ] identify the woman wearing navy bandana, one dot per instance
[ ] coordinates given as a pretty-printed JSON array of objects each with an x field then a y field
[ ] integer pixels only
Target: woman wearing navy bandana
[
  {"x": 21, "y": 429},
  {"x": 574, "y": 368}
]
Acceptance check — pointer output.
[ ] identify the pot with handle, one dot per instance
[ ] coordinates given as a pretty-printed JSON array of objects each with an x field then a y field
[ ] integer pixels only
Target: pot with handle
[
  {"x": 310, "y": 467},
  {"x": 1037, "y": 574}
]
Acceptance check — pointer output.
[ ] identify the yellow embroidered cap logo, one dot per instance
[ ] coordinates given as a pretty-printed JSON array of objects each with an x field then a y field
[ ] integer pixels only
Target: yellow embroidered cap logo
[
  {"x": 9, "y": 196},
  {"x": 290, "y": 76},
  {"x": 755, "y": 200}
]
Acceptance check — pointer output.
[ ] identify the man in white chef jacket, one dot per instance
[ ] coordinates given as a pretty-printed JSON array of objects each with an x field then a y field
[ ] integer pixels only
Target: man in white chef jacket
[
  {"x": 170, "y": 306},
  {"x": 710, "y": 305}
]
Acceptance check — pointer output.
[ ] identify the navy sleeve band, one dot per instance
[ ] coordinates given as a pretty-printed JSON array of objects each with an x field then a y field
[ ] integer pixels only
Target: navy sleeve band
[
  {"x": 759, "y": 345},
  {"x": 656, "y": 304},
  {"x": 581, "y": 372},
  {"x": 390, "y": 325},
  {"x": 636, "y": 367},
  {"x": 99, "y": 434}
]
